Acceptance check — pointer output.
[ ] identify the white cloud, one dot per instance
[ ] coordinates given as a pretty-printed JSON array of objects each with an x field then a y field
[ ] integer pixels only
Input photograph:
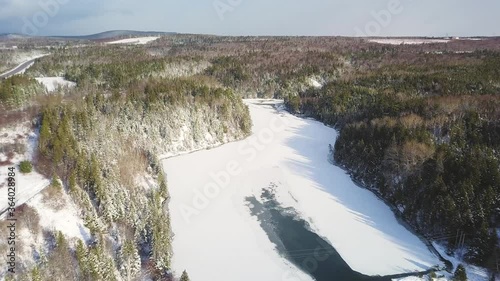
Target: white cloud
[
  {"x": 258, "y": 17},
  {"x": 17, "y": 8}
]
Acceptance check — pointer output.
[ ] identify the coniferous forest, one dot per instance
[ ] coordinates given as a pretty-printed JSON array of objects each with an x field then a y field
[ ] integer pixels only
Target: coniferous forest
[{"x": 425, "y": 135}]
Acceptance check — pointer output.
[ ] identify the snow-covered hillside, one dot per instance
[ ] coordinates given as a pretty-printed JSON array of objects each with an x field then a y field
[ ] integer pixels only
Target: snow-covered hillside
[
  {"x": 216, "y": 238},
  {"x": 135, "y": 41},
  {"x": 38, "y": 210}
]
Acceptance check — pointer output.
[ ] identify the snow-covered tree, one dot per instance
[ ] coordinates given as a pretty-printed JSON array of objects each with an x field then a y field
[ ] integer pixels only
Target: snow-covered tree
[
  {"x": 35, "y": 274},
  {"x": 184, "y": 276},
  {"x": 81, "y": 256},
  {"x": 130, "y": 261}
]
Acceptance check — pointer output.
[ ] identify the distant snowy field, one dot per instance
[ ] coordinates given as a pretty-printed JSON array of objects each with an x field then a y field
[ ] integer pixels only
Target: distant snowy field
[
  {"x": 52, "y": 83},
  {"x": 135, "y": 41},
  {"x": 216, "y": 238},
  {"x": 407, "y": 41}
]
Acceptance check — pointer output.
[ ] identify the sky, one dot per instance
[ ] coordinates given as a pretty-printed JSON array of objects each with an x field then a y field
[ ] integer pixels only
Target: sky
[{"x": 254, "y": 17}]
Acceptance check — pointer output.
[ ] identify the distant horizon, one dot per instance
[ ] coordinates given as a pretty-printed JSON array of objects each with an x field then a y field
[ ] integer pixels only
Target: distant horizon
[
  {"x": 354, "y": 18},
  {"x": 230, "y": 35}
]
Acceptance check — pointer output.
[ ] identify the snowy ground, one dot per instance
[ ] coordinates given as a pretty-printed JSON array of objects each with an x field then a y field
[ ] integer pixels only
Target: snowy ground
[
  {"x": 18, "y": 143},
  {"x": 64, "y": 217},
  {"x": 216, "y": 238},
  {"x": 52, "y": 83},
  {"x": 474, "y": 273},
  {"x": 407, "y": 41},
  {"x": 135, "y": 41},
  {"x": 27, "y": 186},
  {"x": 315, "y": 83}
]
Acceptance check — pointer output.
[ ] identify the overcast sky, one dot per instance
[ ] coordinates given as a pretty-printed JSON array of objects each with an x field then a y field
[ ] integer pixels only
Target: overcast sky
[{"x": 254, "y": 17}]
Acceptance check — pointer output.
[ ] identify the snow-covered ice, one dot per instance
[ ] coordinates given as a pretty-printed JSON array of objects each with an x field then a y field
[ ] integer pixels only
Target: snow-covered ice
[
  {"x": 215, "y": 236},
  {"x": 52, "y": 83},
  {"x": 135, "y": 41}
]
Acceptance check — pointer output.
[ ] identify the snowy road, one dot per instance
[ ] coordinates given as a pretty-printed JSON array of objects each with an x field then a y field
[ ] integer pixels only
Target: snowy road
[
  {"x": 17, "y": 69},
  {"x": 216, "y": 237},
  {"x": 27, "y": 186},
  {"x": 21, "y": 67}
]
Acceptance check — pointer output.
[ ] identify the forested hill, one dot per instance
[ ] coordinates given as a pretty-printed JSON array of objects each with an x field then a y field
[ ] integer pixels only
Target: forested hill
[
  {"x": 424, "y": 132},
  {"x": 100, "y": 143}
]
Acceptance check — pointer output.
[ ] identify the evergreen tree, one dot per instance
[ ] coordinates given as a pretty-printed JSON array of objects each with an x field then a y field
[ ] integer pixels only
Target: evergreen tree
[
  {"x": 81, "y": 255},
  {"x": 130, "y": 261},
  {"x": 432, "y": 276},
  {"x": 25, "y": 167},
  {"x": 162, "y": 185},
  {"x": 56, "y": 182},
  {"x": 35, "y": 274},
  {"x": 44, "y": 134},
  {"x": 184, "y": 276},
  {"x": 460, "y": 274}
]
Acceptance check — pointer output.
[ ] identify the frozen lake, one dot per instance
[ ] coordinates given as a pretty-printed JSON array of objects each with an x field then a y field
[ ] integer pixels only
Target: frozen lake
[{"x": 221, "y": 234}]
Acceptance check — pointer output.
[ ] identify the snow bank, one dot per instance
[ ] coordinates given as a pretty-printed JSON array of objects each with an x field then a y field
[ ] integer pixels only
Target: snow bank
[
  {"x": 52, "y": 83},
  {"x": 407, "y": 41},
  {"x": 135, "y": 41},
  {"x": 216, "y": 238}
]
